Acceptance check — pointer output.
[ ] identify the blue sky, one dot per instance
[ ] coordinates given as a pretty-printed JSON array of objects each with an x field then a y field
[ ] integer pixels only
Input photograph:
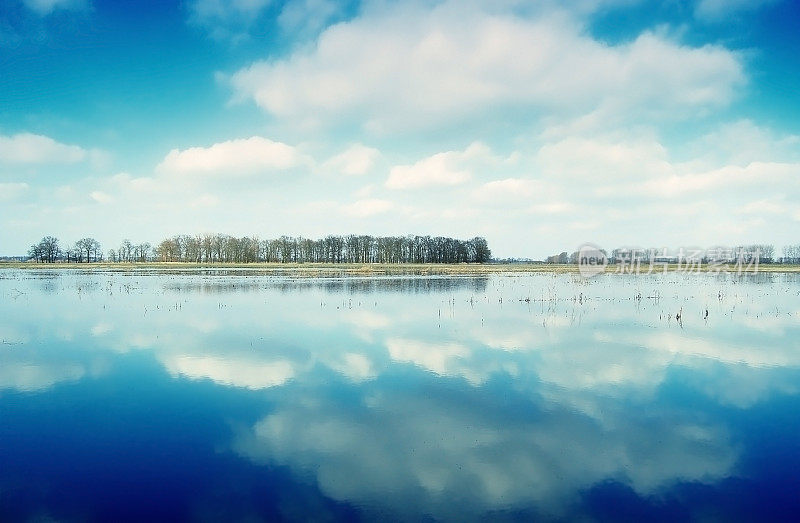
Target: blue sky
[{"x": 540, "y": 125}]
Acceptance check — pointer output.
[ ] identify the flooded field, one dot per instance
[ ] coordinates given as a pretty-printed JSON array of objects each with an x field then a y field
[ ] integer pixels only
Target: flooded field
[{"x": 228, "y": 395}]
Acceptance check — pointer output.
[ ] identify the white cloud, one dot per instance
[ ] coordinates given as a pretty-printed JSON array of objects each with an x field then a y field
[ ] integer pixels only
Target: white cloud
[
  {"x": 758, "y": 175},
  {"x": 442, "y": 358},
  {"x": 356, "y": 160},
  {"x": 779, "y": 356},
  {"x": 233, "y": 158},
  {"x": 447, "y": 168},
  {"x": 300, "y": 17},
  {"x": 622, "y": 179},
  {"x": 355, "y": 366},
  {"x": 599, "y": 159},
  {"x": 368, "y": 320},
  {"x": 430, "y": 171},
  {"x": 101, "y": 197},
  {"x": 742, "y": 142},
  {"x": 434, "y": 357},
  {"x": 12, "y": 190},
  {"x": 237, "y": 372},
  {"x": 774, "y": 206},
  {"x": 453, "y": 61},
  {"x": 125, "y": 183},
  {"x": 25, "y": 367},
  {"x": 27, "y": 148},
  {"x": 28, "y": 376},
  {"x": 101, "y": 329}
]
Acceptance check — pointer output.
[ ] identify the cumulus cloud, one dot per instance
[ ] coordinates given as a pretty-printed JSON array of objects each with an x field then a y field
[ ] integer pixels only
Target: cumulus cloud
[
  {"x": 450, "y": 62},
  {"x": 101, "y": 197},
  {"x": 447, "y": 168},
  {"x": 621, "y": 178},
  {"x": 233, "y": 158},
  {"x": 27, "y": 148},
  {"x": 357, "y": 367},
  {"x": 742, "y": 142},
  {"x": 308, "y": 17},
  {"x": 246, "y": 373},
  {"x": 28, "y": 367},
  {"x": 595, "y": 160},
  {"x": 28, "y": 376},
  {"x": 778, "y": 356},
  {"x": 758, "y": 175},
  {"x": 101, "y": 329},
  {"x": 441, "y": 358},
  {"x": 356, "y": 160}
]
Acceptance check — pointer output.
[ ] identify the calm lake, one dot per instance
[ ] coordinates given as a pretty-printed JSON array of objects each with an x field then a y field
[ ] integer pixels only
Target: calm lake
[{"x": 238, "y": 395}]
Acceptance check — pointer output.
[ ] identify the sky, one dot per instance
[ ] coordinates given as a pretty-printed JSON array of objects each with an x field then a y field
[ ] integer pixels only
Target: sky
[{"x": 538, "y": 125}]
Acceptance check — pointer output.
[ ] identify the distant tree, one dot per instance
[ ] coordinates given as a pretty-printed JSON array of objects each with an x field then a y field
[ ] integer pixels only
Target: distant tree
[
  {"x": 71, "y": 254},
  {"x": 224, "y": 248},
  {"x": 168, "y": 250},
  {"x": 88, "y": 246},
  {"x": 80, "y": 248},
  {"x": 481, "y": 249},
  {"x": 791, "y": 254},
  {"x": 766, "y": 253},
  {"x": 143, "y": 252},
  {"x": 46, "y": 251},
  {"x": 125, "y": 251},
  {"x": 35, "y": 252}
]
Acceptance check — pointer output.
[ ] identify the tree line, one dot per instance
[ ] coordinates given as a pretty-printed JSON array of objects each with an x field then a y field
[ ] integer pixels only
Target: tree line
[
  {"x": 48, "y": 250},
  {"x": 762, "y": 253},
  {"x": 331, "y": 249},
  {"x": 791, "y": 254},
  {"x": 222, "y": 248}
]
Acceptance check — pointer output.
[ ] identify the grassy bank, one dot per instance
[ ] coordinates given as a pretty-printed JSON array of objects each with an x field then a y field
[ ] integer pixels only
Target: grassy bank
[{"x": 373, "y": 268}]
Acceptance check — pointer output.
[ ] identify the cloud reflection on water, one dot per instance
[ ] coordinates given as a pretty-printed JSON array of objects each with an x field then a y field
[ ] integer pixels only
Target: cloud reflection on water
[
  {"x": 403, "y": 400},
  {"x": 455, "y": 455}
]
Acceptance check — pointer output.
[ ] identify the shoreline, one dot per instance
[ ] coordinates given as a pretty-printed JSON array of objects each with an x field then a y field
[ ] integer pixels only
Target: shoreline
[{"x": 383, "y": 269}]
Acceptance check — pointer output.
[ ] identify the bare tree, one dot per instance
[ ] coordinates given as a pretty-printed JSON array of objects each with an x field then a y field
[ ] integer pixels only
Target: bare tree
[
  {"x": 125, "y": 250},
  {"x": 88, "y": 246},
  {"x": 46, "y": 250}
]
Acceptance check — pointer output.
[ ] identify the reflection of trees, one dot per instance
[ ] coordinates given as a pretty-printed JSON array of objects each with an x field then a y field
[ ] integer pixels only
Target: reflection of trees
[
  {"x": 346, "y": 285},
  {"x": 49, "y": 282},
  {"x": 405, "y": 285}
]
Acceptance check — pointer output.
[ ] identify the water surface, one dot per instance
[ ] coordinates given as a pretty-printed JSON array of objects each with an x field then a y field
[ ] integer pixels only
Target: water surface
[{"x": 232, "y": 395}]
